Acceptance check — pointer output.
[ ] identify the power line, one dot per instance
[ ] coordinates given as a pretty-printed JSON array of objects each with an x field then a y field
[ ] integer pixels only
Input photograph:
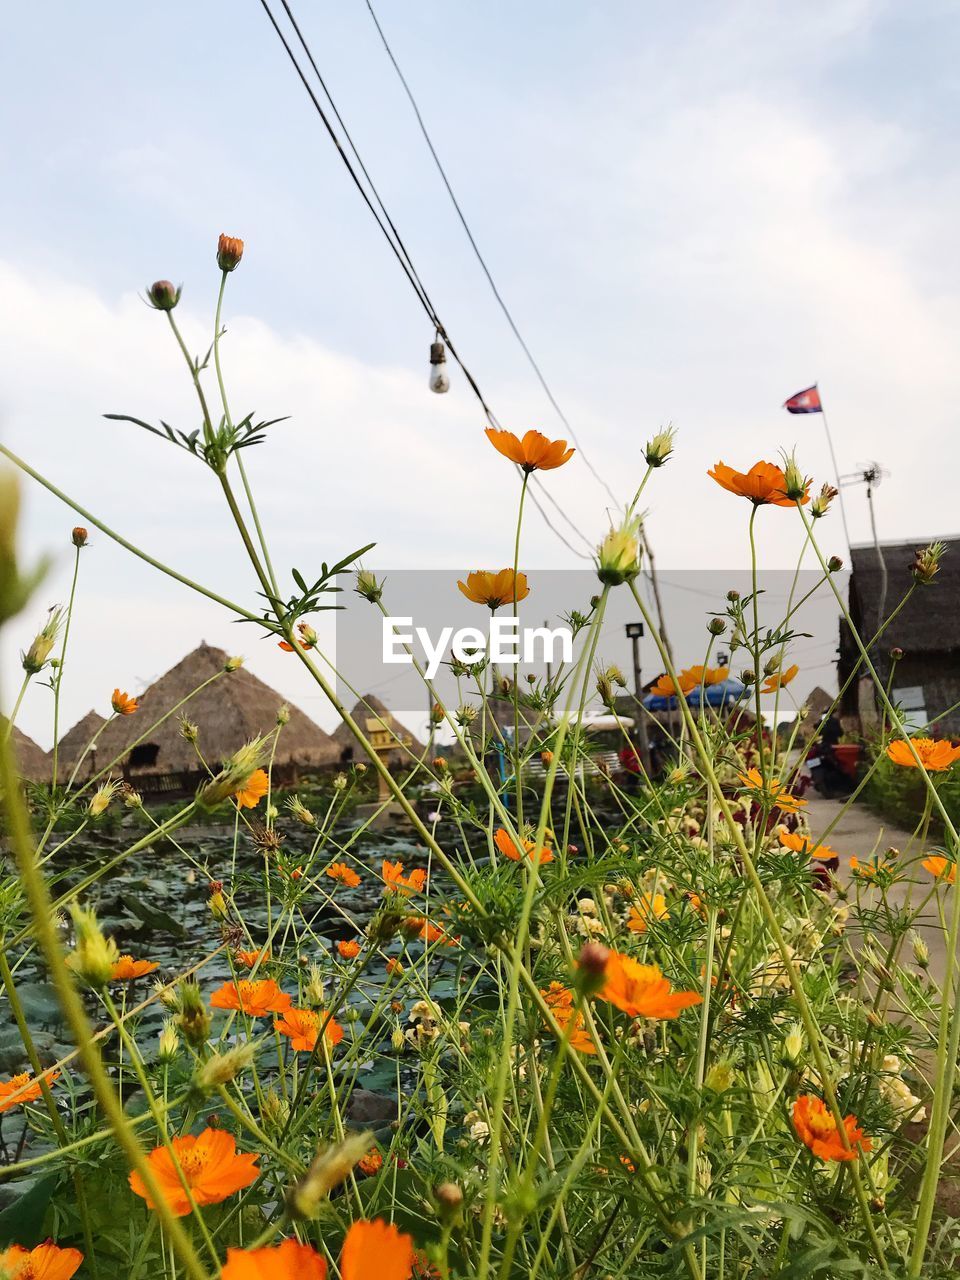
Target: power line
[
  {"x": 486, "y": 270},
  {"x": 393, "y": 238}
]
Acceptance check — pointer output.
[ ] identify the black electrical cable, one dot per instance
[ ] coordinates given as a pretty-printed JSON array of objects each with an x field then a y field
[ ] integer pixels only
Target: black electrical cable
[{"x": 393, "y": 238}]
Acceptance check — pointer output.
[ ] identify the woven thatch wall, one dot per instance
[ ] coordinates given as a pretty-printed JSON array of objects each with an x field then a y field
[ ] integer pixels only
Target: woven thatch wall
[
  {"x": 32, "y": 760},
  {"x": 73, "y": 742},
  {"x": 229, "y": 711}
]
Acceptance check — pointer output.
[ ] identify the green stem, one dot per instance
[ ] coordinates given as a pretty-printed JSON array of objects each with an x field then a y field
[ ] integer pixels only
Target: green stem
[
  {"x": 76, "y": 1018},
  {"x": 59, "y": 676}
]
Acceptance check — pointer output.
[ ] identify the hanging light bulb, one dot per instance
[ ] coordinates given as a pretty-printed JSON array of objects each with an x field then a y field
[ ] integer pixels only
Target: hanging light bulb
[{"x": 439, "y": 378}]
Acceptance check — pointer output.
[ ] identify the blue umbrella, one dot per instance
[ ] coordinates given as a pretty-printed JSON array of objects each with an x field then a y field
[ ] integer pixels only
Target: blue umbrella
[{"x": 716, "y": 695}]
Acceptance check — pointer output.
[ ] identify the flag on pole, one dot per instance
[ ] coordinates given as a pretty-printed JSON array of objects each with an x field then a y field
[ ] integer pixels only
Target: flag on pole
[{"x": 807, "y": 401}]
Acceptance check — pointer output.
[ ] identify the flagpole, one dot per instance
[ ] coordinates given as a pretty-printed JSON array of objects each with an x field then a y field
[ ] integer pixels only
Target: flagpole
[{"x": 836, "y": 471}]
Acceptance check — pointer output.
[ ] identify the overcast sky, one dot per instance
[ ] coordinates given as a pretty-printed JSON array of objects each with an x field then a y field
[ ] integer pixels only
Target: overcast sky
[{"x": 693, "y": 211}]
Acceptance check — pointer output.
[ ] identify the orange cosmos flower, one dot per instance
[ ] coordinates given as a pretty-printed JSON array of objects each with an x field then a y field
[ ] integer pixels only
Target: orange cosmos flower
[
  {"x": 343, "y": 874},
  {"x": 10, "y": 1095},
  {"x": 290, "y": 1260},
  {"x": 867, "y": 870},
  {"x": 777, "y": 794},
  {"x": 393, "y": 966},
  {"x": 934, "y": 756},
  {"x": 371, "y": 1251},
  {"x": 255, "y": 999},
  {"x": 534, "y": 452},
  {"x": 817, "y": 1129},
  {"x": 803, "y": 844},
  {"x": 494, "y": 589},
  {"x": 666, "y": 687},
  {"x": 249, "y": 794},
  {"x": 126, "y": 968},
  {"x": 303, "y": 1028},
  {"x": 705, "y": 675},
  {"x": 308, "y": 639},
  {"x": 763, "y": 484},
  {"x": 509, "y": 850},
  {"x": 247, "y": 959},
  {"x": 376, "y": 1251},
  {"x": 433, "y": 933},
  {"x": 641, "y": 990},
  {"x": 650, "y": 907},
  {"x": 211, "y": 1167},
  {"x": 941, "y": 868},
  {"x": 779, "y": 679},
  {"x": 560, "y": 1000},
  {"x": 46, "y": 1262},
  {"x": 394, "y": 878},
  {"x": 349, "y": 950},
  {"x": 123, "y": 704},
  {"x": 371, "y": 1163},
  {"x": 229, "y": 252}
]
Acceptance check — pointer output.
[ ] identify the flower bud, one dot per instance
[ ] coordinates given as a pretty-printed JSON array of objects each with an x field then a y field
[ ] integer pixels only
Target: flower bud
[
  {"x": 300, "y": 811},
  {"x": 100, "y": 800},
  {"x": 235, "y": 772},
  {"x": 275, "y": 1111},
  {"x": 229, "y": 252},
  {"x": 896, "y": 653},
  {"x": 79, "y": 536},
  {"x": 218, "y": 905},
  {"x": 834, "y": 564},
  {"x": 193, "y": 1020},
  {"x": 821, "y": 503},
  {"x": 733, "y": 596},
  {"x": 717, "y": 626},
  {"x": 795, "y": 483},
  {"x": 313, "y": 992},
  {"x": 233, "y": 664},
  {"x": 188, "y": 730},
  {"x": 719, "y": 1078},
  {"x": 132, "y": 799},
  {"x": 926, "y": 562},
  {"x": 397, "y": 1040},
  {"x": 164, "y": 296},
  {"x": 449, "y": 1198},
  {"x": 94, "y": 955},
  {"x": 367, "y": 586},
  {"x": 793, "y": 1044},
  {"x": 921, "y": 952},
  {"x": 748, "y": 676},
  {"x": 592, "y": 966},
  {"x": 220, "y": 1068},
  {"x": 35, "y": 658},
  {"x": 659, "y": 449},
  {"x": 169, "y": 1042},
  {"x": 328, "y": 1169},
  {"x": 618, "y": 557}
]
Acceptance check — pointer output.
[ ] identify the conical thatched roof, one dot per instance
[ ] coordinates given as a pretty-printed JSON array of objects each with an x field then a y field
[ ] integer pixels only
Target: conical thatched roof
[
  {"x": 232, "y": 708},
  {"x": 32, "y": 760},
  {"x": 75, "y": 741},
  {"x": 370, "y": 707}
]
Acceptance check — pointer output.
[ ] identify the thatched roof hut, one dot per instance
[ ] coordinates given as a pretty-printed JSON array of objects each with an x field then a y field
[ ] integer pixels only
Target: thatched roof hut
[
  {"x": 32, "y": 761},
  {"x": 229, "y": 708},
  {"x": 73, "y": 743},
  {"x": 367, "y": 708}
]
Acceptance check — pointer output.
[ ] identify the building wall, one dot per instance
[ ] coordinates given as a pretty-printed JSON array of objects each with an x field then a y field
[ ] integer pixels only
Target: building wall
[{"x": 938, "y": 676}]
